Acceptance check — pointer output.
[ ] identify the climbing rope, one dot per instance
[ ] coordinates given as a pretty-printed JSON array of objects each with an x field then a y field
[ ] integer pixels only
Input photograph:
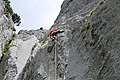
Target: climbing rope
[{"x": 55, "y": 59}]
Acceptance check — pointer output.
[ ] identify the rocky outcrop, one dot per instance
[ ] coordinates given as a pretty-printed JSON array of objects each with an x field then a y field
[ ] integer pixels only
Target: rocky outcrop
[
  {"x": 87, "y": 50},
  {"x": 6, "y": 26},
  {"x": 93, "y": 42},
  {"x": 26, "y": 44},
  {"x": 89, "y": 47},
  {"x": 6, "y": 33}
]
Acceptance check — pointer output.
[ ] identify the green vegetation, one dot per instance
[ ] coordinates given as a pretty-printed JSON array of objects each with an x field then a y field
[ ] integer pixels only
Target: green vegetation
[
  {"x": 91, "y": 12},
  {"x": 87, "y": 23},
  {"x": 7, "y": 48},
  {"x": 100, "y": 2},
  {"x": 7, "y": 6},
  {"x": 42, "y": 43},
  {"x": 86, "y": 26},
  {"x": 86, "y": 20},
  {"x": 13, "y": 29},
  {"x": 12, "y": 38},
  {"x": 15, "y": 17}
]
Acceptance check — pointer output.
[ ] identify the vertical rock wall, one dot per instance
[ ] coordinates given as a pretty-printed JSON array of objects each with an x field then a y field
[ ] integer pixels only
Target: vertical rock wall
[
  {"x": 87, "y": 50},
  {"x": 6, "y": 26},
  {"x": 92, "y": 49},
  {"x": 89, "y": 47},
  {"x": 6, "y": 32},
  {"x": 27, "y": 44}
]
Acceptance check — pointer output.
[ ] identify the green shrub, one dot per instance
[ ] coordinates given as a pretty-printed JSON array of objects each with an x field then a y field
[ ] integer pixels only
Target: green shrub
[
  {"x": 7, "y": 6},
  {"x": 7, "y": 2},
  {"x": 12, "y": 38},
  {"x": 15, "y": 17},
  {"x": 91, "y": 12},
  {"x": 100, "y": 2},
  {"x": 7, "y": 48},
  {"x": 9, "y": 9},
  {"x": 86, "y": 21}
]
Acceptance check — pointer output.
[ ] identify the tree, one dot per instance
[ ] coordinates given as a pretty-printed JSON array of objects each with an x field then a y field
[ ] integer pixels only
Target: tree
[
  {"x": 41, "y": 28},
  {"x": 16, "y": 19}
]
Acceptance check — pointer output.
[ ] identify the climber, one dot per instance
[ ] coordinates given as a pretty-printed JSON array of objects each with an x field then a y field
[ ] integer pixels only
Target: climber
[{"x": 54, "y": 32}]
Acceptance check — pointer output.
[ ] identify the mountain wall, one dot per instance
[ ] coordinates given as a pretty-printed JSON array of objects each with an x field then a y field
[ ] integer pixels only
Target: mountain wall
[
  {"x": 6, "y": 33},
  {"x": 6, "y": 26},
  {"x": 87, "y": 50}
]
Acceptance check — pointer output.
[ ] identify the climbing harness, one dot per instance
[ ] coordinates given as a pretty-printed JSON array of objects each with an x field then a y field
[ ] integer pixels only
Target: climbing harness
[{"x": 55, "y": 42}]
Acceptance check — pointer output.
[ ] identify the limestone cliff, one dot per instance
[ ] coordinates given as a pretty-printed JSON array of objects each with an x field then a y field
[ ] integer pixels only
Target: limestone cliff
[
  {"x": 6, "y": 26},
  {"x": 6, "y": 33},
  {"x": 87, "y": 50}
]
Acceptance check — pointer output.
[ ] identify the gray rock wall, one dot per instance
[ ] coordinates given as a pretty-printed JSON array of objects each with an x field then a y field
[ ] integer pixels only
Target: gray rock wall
[
  {"x": 87, "y": 50},
  {"x": 5, "y": 27},
  {"x": 91, "y": 52},
  {"x": 89, "y": 47},
  {"x": 26, "y": 46},
  {"x": 6, "y": 32}
]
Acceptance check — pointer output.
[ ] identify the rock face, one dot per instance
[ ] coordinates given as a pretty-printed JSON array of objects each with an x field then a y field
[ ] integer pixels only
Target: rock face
[
  {"x": 87, "y": 50},
  {"x": 6, "y": 32},
  {"x": 6, "y": 26},
  {"x": 26, "y": 44}
]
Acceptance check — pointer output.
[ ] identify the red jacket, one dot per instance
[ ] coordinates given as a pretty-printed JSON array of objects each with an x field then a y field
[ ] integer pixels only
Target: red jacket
[{"x": 51, "y": 32}]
